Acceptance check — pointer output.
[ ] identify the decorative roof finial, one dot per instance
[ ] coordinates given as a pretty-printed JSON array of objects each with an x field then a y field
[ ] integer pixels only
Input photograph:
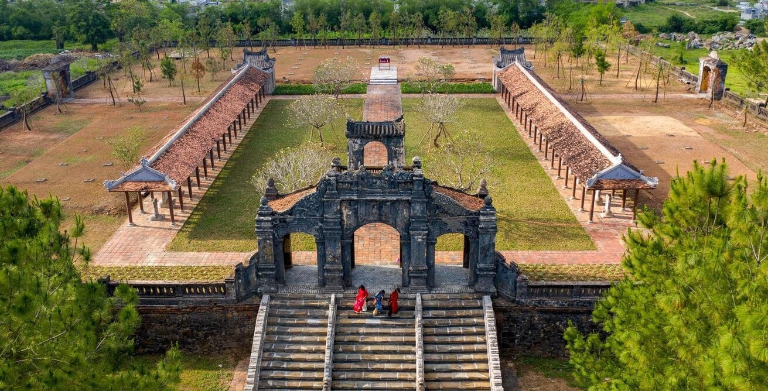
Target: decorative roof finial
[
  {"x": 482, "y": 191},
  {"x": 271, "y": 192}
]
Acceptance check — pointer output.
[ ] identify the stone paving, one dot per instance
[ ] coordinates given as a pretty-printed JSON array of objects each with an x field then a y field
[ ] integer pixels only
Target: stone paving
[{"x": 145, "y": 243}]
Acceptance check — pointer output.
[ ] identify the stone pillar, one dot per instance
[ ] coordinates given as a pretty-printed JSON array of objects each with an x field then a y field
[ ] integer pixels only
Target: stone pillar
[
  {"x": 607, "y": 208},
  {"x": 417, "y": 269},
  {"x": 485, "y": 271},
  {"x": 320, "y": 243},
  {"x": 265, "y": 269},
  {"x": 334, "y": 271},
  {"x": 431, "y": 262}
]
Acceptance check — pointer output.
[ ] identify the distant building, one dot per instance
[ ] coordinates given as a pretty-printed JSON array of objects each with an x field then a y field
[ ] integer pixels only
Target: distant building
[{"x": 757, "y": 11}]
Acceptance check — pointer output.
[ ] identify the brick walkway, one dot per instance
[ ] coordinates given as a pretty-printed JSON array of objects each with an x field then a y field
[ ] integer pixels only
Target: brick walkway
[{"x": 145, "y": 243}]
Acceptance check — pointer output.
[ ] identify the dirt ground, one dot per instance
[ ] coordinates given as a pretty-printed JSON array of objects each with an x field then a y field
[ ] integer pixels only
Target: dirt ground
[{"x": 525, "y": 378}]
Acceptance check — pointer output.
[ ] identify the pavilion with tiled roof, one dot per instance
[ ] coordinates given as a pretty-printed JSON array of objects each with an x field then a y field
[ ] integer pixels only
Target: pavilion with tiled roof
[
  {"x": 179, "y": 156},
  {"x": 506, "y": 58},
  {"x": 560, "y": 132}
]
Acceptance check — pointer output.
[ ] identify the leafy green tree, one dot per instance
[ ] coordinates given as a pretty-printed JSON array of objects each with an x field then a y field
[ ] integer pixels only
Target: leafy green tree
[
  {"x": 690, "y": 313},
  {"x": 56, "y": 332},
  {"x": 601, "y": 63},
  {"x": 88, "y": 22},
  {"x": 374, "y": 23},
  {"x": 168, "y": 69},
  {"x": 753, "y": 64},
  {"x": 126, "y": 148},
  {"x": 298, "y": 25}
]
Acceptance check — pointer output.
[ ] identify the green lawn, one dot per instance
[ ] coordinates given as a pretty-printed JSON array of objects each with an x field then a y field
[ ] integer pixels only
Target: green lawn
[
  {"x": 531, "y": 213},
  {"x": 21, "y": 49},
  {"x": 653, "y": 15},
  {"x": 199, "y": 372},
  {"x": 734, "y": 79}
]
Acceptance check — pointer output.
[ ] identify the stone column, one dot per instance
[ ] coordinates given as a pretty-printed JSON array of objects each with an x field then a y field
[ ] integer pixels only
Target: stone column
[
  {"x": 486, "y": 258},
  {"x": 431, "y": 262},
  {"x": 334, "y": 273},
  {"x": 320, "y": 243},
  {"x": 265, "y": 269},
  {"x": 607, "y": 208},
  {"x": 417, "y": 270}
]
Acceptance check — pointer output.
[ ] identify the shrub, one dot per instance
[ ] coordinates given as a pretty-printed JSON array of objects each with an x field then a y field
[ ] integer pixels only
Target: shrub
[
  {"x": 309, "y": 89},
  {"x": 450, "y": 88}
]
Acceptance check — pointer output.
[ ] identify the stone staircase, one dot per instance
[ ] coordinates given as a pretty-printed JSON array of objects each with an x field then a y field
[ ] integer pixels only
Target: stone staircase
[
  {"x": 294, "y": 344},
  {"x": 455, "y": 350},
  {"x": 374, "y": 353}
]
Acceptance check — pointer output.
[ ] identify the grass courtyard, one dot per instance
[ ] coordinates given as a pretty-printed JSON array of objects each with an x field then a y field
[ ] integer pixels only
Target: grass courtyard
[{"x": 531, "y": 213}]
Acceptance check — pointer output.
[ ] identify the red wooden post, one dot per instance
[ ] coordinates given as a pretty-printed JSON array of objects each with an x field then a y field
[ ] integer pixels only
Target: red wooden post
[
  {"x": 181, "y": 199},
  {"x": 170, "y": 206},
  {"x": 623, "y": 198},
  {"x": 211, "y": 153},
  {"x": 560, "y": 166},
  {"x": 546, "y": 150},
  {"x": 552, "y": 162},
  {"x": 634, "y": 207},
  {"x": 128, "y": 206},
  {"x": 229, "y": 132},
  {"x": 141, "y": 202},
  {"x": 573, "y": 191},
  {"x": 583, "y": 197},
  {"x": 205, "y": 172},
  {"x": 224, "y": 141},
  {"x": 541, "y": 140},
  {"x": 592, "y": 205},
  {"x": 234, "y": 127},
  {"x": 197, "y": 174},
  {"x": 189, "y": 187}
]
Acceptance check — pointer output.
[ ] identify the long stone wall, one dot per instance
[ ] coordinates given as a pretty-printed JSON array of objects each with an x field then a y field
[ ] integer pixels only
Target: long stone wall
[{"x": 198, "y": 329}]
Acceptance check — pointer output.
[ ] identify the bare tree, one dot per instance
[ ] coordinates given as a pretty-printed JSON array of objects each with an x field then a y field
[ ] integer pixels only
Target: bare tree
[
  {"x": 430, "y": 73},
  {"x": 21, "y": 97},
  {"x": 439, "y": 110},
  {"x": 315, "y": 112},
  {"x": 461, "y": 163},
  {"x": 293, "y": 168},
  {"x": 334, "y": 75}
]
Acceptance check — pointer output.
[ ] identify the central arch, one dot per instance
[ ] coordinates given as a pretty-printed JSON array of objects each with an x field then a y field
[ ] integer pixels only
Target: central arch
[
  {"x": 375, "y": 154},
  {"x": 376, "y": 244}
]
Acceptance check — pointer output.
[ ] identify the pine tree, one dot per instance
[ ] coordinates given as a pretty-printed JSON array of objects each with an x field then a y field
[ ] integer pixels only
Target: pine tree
[
  {"x": 57, "y": 333},
  {"x": 691, "y": 311}
]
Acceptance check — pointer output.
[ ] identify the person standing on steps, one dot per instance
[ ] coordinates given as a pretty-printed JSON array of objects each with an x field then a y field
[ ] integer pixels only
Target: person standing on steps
[
  {"x": 360, "y": 300},
  {"x": 379, "y": 306},
  {"x": 392, "y": 305}
]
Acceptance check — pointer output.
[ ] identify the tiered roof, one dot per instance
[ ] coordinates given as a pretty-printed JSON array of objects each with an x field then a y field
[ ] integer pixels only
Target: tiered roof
[
  {"x": 588, "y": 154},
  {"x": 179, "y": 153},
  {"x": 507, "y": 57}
]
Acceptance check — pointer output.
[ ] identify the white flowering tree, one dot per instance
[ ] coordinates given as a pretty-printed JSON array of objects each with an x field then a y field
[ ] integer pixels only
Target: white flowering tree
[
  {"x": 334, "y": 75},
  {"x": 293, "y": 168},
  {"x": 430, "y": 74},
  {"x": 461, "y": 163},
  {"x": 439, "y": 110},
  {"x": 314, "y": 112}
]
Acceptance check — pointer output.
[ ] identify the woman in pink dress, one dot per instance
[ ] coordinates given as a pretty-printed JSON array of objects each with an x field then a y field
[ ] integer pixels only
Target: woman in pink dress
[{"x": 362, "y": 296}]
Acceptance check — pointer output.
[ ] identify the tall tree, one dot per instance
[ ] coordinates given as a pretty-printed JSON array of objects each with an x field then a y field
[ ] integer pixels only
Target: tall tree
[
  {"x": 603, "y": 64},
  {"x": 168, "y": 69},
  {"x": 440, "y": 110},
  {"x": 89, "y": 22},
  {"x": 430, "y": 74},
  {"x": 690, "y": 313},
  {"x": 313, "y": 112},
  {"x": 57, "y": 332},
  {"x": 298, "y": 25},
  {"x": 333, "y": 75},
  {"x": 374, "y": 23},
  {"x": 197, "y": 69},
  {"x": 753, "y": 65}
]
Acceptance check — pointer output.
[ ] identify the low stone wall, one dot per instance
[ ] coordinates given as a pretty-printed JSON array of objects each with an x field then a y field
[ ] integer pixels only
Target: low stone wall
[
  {"x": 538, "y": 330},
  {"x": 198, "y": 329}
]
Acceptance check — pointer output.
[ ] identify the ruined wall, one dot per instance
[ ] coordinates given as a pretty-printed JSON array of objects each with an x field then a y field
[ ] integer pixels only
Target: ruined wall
[
  {"x": 538, "y": 330},
  {"x": 198, "y": 328}
]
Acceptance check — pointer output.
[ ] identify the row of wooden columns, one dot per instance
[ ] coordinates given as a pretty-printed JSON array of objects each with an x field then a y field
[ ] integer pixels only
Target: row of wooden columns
[
  {"x": 541, "y": 141},
  {"x": 237, "y": 124}
]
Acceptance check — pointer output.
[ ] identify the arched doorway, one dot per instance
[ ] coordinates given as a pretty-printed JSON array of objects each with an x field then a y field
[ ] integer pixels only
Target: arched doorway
[
  {"x": 375, "y": 154},
  {"x": 704, "y": 79},
  {"x": 299, "y": 259},
  {"x": 376, "y": 257},
  {"x": 452, "y": 260}
]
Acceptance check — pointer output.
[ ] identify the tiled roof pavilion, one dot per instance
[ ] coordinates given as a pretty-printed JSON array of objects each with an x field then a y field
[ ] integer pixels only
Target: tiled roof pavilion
[
  {"x": 181, "y": 154},
  {"x": 561, "y": 132}
]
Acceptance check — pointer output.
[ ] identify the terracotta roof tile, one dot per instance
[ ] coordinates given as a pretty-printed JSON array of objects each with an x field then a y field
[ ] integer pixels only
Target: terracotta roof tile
[
  {"x": 287, "y": 201},
  {"x": 468, "y": 201}
]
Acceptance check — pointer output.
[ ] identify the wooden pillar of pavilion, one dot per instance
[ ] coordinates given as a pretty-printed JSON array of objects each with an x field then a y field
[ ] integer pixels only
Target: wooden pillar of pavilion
[
  {"x": 128, "y": 207},
  {"x": 623, "y": 199},
  {"x": 211, "y": 160},
  {"x": 560, "y": 166},
  {"x": 552, "y": 162},
  {"x": 546, "y": 149},
  {"x": 189, "y": 187},
  {"x": 205, "y": 172},
  {"x": 170, "y": 206},
  {"x": 141, "y": 202},
  {"x": 583, "y": 197},
  {"x": 634, "y": 206},
  {"x": 229, "y": 133},
  {"x": 218, "y": 150},
  {"x": 197, "y": 174},
  {"x": 224, "y": 141},
  {"x": 181, "y": 199},
  {"x": 541, "y": 140},
  {"x": 234, "y": 127},
  {"x": 592, "y": 204},
  {"x": 573, "y": 191},
  {"x": 567, "y": 171}
]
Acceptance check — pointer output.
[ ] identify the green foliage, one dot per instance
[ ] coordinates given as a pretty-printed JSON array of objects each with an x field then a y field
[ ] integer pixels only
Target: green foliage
[
  {"x": 125, "y": 148},
  {"x": 89, "y": 22},
  {"x": 601, "y": 63},
  {"x": 756, "y": 26},
  {"x": 168, "y": 69},
  {"x": 56, "y": 332},
  {"x": 691, "y": 311},
  {"x": 449, "y": 88},
  {"x": 309, "y": 89},
  {"x": 753, "y": 64}
]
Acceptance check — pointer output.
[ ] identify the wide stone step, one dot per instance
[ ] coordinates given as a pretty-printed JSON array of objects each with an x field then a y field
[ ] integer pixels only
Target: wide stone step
[
  {"x": 295, "y": 339},
  {"x": 365, "y": 338},
  {"x": 450, "y": 296},
  {"x": 379, "y": 347},
  {"x": 456, "y": 376},
  {"x": 372, "y": 385},
  {"x": 372, "y": 331},
  {"x": 297, "y": 313},
  {"x": 455, "y": 357},
  {"x": 375, "y": 366},
  {"x": 275, "y": 330},
  {"x": 462, "y": 348},
  {"x": 454, "y": 339},
  {"x": 297, "y": 322},
  {"x": 454, "y": 330},
  {"x": 458, "y": 385},
  {"x": 298, "y": 303},
  {"x": 451, "y": 303},
  {"x": 458, "y": 313},
  {"x": 291, "y": 356},
  {"x": 294, "y": 348},
  {"x": 377, "y": 322},
  {"x": 374, "y": 375},
  {"x": 365, "y": 358},
  {"x": 293, "y": 365},
  {"x": 291, "y": 375},
  {"x": 456, "y": 367},
  {"x": 275, "y": 384},
  {"x": 445, "y": 322}
]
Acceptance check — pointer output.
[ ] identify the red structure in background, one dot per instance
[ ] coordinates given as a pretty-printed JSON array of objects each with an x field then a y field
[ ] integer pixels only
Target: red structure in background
[{"x": 384, "y": 61}]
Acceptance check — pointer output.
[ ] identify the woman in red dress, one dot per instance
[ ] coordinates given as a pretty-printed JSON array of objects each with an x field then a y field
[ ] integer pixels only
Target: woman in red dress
[
  {"x": 393, "y": 307},
  {"x": 362, "y": 296}
]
